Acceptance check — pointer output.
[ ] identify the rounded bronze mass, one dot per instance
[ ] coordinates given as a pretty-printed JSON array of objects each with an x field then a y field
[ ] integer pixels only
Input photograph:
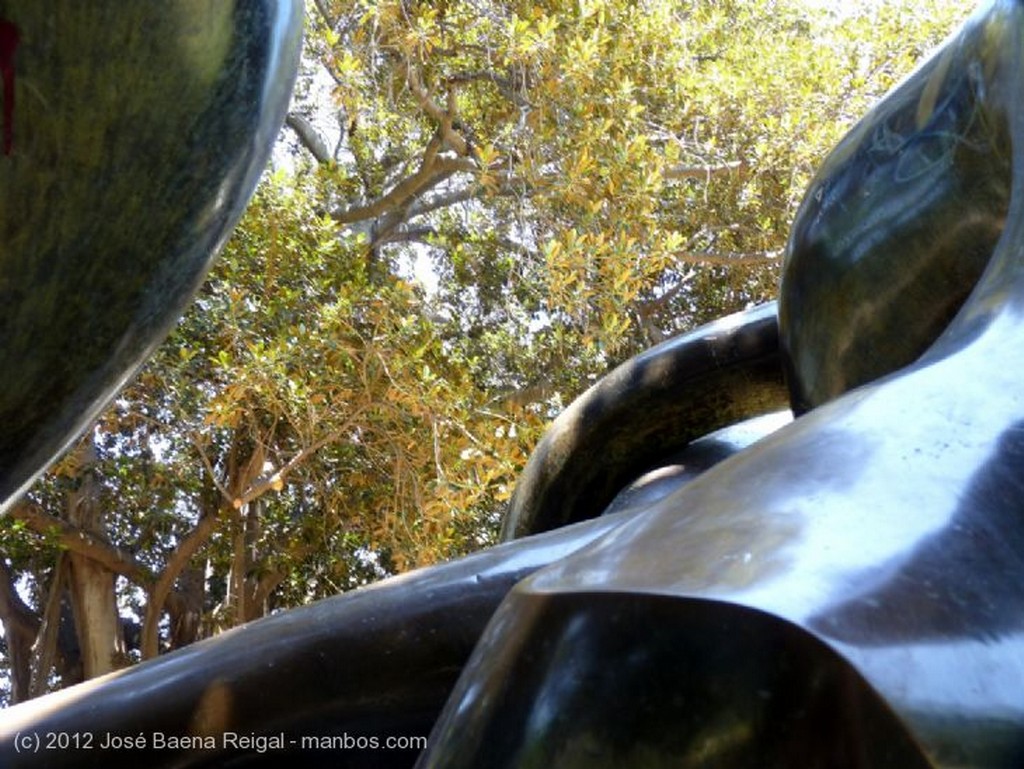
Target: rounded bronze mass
[
  {"x": 897, "y": 225},
  {"x": 133, "y": 134}
]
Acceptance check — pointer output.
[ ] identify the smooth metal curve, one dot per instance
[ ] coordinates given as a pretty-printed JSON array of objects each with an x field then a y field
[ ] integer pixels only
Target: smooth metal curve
[
  {"x": 896, "y": 227},
  {"x": 376, "y": 662},
  {"x": 648, "y": 408},
  {"x": 876, "y": 545},
  {"x": 139, "y": 133}
]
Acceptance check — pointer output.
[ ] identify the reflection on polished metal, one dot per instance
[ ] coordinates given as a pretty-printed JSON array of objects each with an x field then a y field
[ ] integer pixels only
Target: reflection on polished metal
[
  {"x": 645, "y": 410},
  {"x": 846, "y": 593},
  {"x": 676, "y": 470},
  {"x": 843, "y": 593},
  {"x": 134, "y": 133},
  {"x": 378, "y": 662},
  {"x": 896, "y": 227}
]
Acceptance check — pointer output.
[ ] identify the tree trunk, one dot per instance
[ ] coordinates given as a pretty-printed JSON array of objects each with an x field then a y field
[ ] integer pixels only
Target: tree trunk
[
  {"x": 44, "y": 651},
  {"x": 243, "y": 585},
  {"x": 186, "y": 618},
  {"x": 21, "y": 625},
  {"x": 91, "y": 585}
]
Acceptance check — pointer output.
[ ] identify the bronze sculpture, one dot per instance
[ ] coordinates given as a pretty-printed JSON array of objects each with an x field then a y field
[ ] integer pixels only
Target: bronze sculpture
[
  {"x": 862, "y": 556},
  {"x": 843, "y": 593},
  {"x": 139, "y": 133}
]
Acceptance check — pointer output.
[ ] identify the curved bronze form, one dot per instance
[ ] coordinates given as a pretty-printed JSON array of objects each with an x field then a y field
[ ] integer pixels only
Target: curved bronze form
[
  {"x": 138, "y": 134},
  {"x": 695, "y": 459},
  {"x": 648, "y": 408},
  {"x": 377, "y": 662},
  {"x": 844, "y": 594},
  {"x": 896, "y": 227}
]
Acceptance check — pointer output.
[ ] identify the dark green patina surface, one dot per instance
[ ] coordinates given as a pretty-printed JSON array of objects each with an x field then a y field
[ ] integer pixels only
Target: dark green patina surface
[
  {"x": 137, "y": 132},
  {"x": 896, "y": 228}
]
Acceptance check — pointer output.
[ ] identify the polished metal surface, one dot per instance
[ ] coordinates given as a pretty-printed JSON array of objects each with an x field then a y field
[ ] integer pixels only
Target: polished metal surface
[
  {"x": 896, "y": 226},
  {"x": 868, "y": 557},
  {"x": 844, "y": 592},
  {"x": 678, "y": 469},
  {"x": 648, "y": 408},
  {"x": 377, "y": 662},
  {"x": 134, "y": 134}
]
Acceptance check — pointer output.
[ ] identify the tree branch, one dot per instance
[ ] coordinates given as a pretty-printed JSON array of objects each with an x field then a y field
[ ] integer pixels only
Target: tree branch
[
  {"x": 160, "y": 592},
  {"x": 444, "y": 118},
  {"x": 507, "y": 86},
  {"x": 309, "y": 137},
  {"x": 12, "y": 608},
  {"x": 275, "y": 481},
  {"x": 21, "y": 627},
  {"x": 648, "y": 307},
  {"x": 408, "y": 235},
  {"x": 454, "y": 197},
  {"x": 84, "y": 543},
  {"x": 45, "y": 649},
  {"x": 225, "y": 494},
  {"x": 503, "y": 83},
  {"x": 540, "y": 389},
  {"x": 703, "y": 172},
  {"x": 432, "y": 171},
  {"x": 189, "y": 545},
  {"x": 726, "y": 259},
  {"x": 321, "y": 7},
  {"x": 444, "y": 200}
]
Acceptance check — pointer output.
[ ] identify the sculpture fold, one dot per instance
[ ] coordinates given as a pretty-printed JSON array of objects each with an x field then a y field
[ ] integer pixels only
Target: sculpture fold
[
  {"x": 649, "y": 408},
  {"x": 845, "y": 592}
]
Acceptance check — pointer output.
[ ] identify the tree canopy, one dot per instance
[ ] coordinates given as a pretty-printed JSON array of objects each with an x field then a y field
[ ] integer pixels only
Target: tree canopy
[{"x": 476, "y": 210}]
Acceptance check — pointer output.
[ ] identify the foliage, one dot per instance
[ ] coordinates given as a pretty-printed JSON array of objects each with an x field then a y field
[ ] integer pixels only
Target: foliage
[{"x": 580, "y": 179}]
